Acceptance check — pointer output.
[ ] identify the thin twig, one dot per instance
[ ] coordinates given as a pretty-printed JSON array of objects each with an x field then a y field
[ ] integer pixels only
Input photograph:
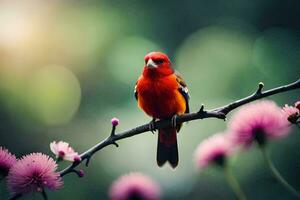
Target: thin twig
[{"x": 219, "y": 113}]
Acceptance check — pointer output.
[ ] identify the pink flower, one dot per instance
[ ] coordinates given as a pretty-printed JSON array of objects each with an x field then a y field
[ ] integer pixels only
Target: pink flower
[
  {"x": 134, "y": 186},
  {"x": 258, "y": 122},
  {"x": 115, "y": 121},
  {"x": 33, "y": 173},
  {"x": 214, "y": 149},
  {"x": 7, "y": 160},
  {"x": 297, "y": 105},
  {"x": 291, "y": 113},
  {"x": 64, "y": 151}
]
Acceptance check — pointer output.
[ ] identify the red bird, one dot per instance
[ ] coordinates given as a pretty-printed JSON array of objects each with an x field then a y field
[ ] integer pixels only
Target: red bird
[{"x": 162, "y": 94}]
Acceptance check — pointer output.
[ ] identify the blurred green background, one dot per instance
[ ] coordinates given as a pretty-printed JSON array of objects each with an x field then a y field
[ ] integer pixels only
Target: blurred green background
[{"x": 67, "y": 67}]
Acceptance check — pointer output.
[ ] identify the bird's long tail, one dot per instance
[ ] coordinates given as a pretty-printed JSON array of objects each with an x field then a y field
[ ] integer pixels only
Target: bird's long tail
[{"x": 167, "y": 147}]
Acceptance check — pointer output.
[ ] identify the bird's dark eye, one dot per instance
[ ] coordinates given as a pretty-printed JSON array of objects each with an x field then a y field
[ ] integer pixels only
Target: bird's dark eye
[{"x": 159, "y": 61}]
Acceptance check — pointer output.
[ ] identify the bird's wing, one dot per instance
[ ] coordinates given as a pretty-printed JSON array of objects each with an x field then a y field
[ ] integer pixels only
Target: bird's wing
[
  {"x": 135, "y": 91},
  {"x": 183, "y": 90},
  {"x": 136, "y": 88}
]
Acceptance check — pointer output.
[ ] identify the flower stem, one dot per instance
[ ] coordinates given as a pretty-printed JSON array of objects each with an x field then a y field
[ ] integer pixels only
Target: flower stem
[
  {"x": 298, "y": 125},
  {"x": 44, "y": 195},
  {"x": 58, "y": 159},
  {"x": 2, "y": 195},
  {"x": 17, "y": 196},
  {"x": 276, "y": 173},
  {"x": 233, "y": 183}
]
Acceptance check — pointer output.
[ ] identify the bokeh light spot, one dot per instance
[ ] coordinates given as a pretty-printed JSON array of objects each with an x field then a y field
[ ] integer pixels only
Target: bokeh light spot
[
  {"x": 213, "y": 55},
  {"x": 53, "y": 95}
]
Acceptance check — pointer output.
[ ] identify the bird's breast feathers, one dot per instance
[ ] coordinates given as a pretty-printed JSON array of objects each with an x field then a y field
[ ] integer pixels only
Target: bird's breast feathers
[{"x": 160, "y": 97}]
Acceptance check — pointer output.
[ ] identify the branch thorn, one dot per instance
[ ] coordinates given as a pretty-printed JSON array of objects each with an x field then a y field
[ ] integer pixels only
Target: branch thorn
[
  {"x": 222, "y": 116},
  {"x": 116, "y": 144},
  {"x": 88, "y": 158},
  {"x": 201, "y": 109}
]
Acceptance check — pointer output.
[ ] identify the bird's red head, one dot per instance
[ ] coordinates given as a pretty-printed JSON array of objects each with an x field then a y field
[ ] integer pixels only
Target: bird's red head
[{"x": 157, "y": 64}]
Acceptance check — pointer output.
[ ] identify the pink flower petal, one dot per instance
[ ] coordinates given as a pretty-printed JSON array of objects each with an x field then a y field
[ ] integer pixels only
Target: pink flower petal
[
  {"x": 63, "y": 150},
  {"x": 7, "y": 160},
  {"x": 211, "y": 149},
  {"x": 33, "y": 173},
  {"x": 262, "y": 119},
  {"x": 291, "y": 113},
  {"x": 134, "y": 185}
]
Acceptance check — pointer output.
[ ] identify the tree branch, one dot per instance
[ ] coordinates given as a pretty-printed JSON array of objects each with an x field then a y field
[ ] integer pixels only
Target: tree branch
[{"x": 219, "y": 113}]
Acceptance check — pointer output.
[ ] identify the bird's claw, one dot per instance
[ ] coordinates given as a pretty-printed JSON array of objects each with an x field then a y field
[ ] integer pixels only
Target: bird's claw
[
  {"x": 174, "y": 119},
  {"x": 152, "y": 126}
]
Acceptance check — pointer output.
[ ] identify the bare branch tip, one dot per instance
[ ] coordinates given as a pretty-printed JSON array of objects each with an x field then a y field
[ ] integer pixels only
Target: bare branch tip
[{"x": 260, "y": 87}]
